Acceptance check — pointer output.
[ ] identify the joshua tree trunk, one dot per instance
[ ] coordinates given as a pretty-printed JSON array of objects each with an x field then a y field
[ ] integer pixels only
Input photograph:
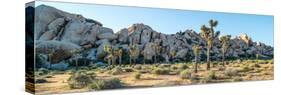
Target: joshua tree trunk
[
  {"x": 154, "y": 59},
  {"x": 120, "y": 60},
  {"x": 196, "y": 63},
  {"x": 76, "y": 63},
  {"x": 108, "y": 61},
  {"x": 223, "y": 54},
  {"x": 208, "y": 58},
  {"x": 130, "y": 60}
]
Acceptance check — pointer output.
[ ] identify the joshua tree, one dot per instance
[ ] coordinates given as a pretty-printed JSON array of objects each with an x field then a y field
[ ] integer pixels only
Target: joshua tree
[
  {"x": 76, "y": 53},
  {"x": 118, "y": 52},
  {"x": 108, "y": 50},
  {"x": 50, "y": 55},
  {"x": 225, "y": 45},
  {"x": 144, "y": 56},
  {"x": 196, "y": 51},
  {"x": 173, "y": 54},
  {"x": 133, "y": 50},
  {"x": 209, "y": 34}
]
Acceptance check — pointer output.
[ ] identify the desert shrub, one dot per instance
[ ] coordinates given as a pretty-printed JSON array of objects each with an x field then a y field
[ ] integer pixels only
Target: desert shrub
[
  {"x": 211, "y": 75},
  {"x": 164, "y": 65},
  {"x": 206, "y": 80},
  {"x": 255, "y": 65},
  {"x": 137, "y": 75},
  {"x": 221, "y": 68},
  {"x": 173, "y": 67},
  {"x": 48, "y": 76},
  {"x": 106, "y": 84},
  {"x": 116, "y": 71},
  {"x": 245, "y": 69},
  {"x": 80, "y": 80},
  {"x": 183, "y": 66},
  {"x": 43, "y": 71},
  {"x": 128, "y": 69},
  {"x": 138, "y": 67},
  {"x": 185, "y": 74},
  {"x": 161, "y": 71},
  {"x": 230, "y": 72},
  {"x": 83, "y": 68},
  {"x": 41, "y": 81}
]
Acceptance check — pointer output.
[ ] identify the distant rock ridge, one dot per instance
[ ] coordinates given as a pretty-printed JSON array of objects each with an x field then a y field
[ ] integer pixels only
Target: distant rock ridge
[{"x": 58, "y": 30}]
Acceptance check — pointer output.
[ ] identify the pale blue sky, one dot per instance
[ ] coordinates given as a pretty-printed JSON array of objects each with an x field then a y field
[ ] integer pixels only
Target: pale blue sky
[{"x": 170, "y": 21}]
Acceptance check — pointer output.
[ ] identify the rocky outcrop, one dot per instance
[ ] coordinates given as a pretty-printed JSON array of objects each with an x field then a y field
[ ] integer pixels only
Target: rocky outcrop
[{"x": 63, "y": 32}]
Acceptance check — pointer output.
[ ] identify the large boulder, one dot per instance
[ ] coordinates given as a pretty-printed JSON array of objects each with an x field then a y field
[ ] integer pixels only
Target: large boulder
[
  {"x": 181, "y": 53},
  {"x": 100, "y": 50},
  {"x": 106, "y": 33},
  {"x": 245, "y": 38},
  {"x": 46, "y": 47},
  {"x": 123, "y": 35},
  {"x": 148, "y": 51}
]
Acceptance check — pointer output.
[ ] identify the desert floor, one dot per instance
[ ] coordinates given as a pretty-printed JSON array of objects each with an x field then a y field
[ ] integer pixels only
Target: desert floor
[{"x": 250, "y": 70}]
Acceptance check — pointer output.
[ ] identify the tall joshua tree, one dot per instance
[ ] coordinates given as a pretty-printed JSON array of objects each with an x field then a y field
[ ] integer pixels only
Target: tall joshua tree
[
  {"x": 225, "y": 45},
  {"x": 133, "y": 53},
  {"x": 157, "y": 50},
  {"x": 196, "y": 51},
  {"x": 209, "y": 34},
  {"x": 108, "y": 50}
]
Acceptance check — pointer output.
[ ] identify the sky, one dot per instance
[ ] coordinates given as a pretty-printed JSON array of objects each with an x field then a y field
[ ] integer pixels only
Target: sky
[{"x": 169, "y": 21}]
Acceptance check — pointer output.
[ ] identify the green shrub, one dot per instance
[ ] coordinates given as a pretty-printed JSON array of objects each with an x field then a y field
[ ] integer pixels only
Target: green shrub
[
  {"x": 185, "y": 74},
  {"x": 231, "y": 72},
  {"x": 80, "y": 80},
  {"x": 137, "y": 75},
  {"x": 160, "y": 71},
  {"x": 106, "y": 84}
]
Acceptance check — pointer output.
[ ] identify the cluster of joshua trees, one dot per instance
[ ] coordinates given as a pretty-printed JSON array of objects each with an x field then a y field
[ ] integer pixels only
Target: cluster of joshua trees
[{"x": 208, "y": 33}]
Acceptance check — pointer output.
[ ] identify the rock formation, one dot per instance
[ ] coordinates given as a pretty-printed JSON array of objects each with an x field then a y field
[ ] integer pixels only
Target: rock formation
[{"x": 56, "y": 30}]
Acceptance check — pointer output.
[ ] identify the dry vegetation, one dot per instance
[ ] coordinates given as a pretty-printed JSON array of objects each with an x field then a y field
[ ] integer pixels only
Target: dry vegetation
[{"x": 132, "y": 76}]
